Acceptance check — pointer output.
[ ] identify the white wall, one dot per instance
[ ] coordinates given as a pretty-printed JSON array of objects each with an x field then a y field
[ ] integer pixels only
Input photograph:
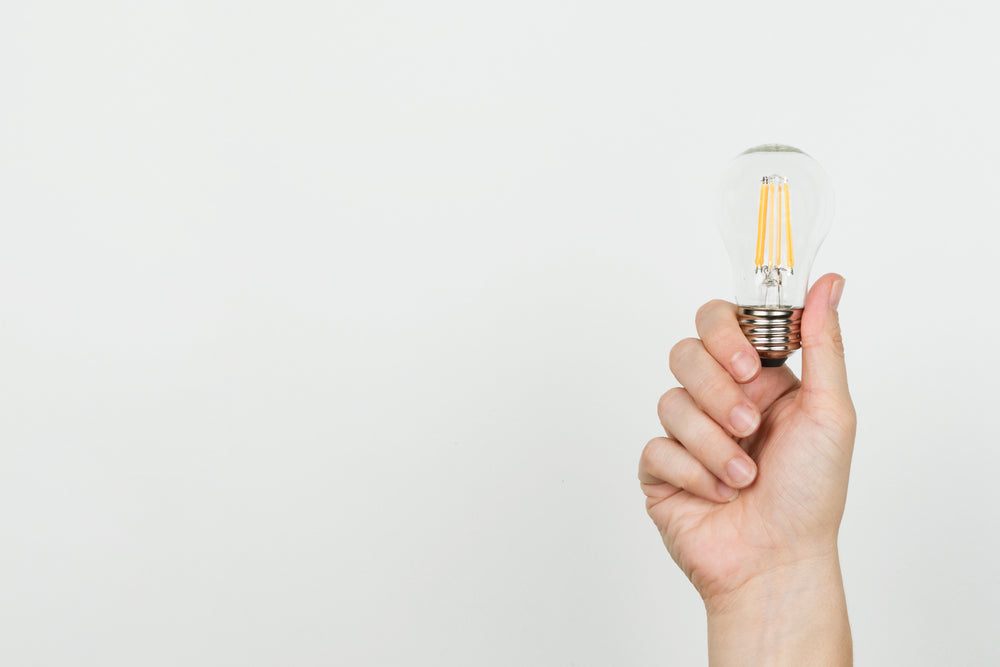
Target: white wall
[{"x": 330, "y": 333}]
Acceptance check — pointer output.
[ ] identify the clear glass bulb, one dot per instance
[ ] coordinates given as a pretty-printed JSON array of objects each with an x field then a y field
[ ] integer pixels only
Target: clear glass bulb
[{"x": 777, "y": 205}]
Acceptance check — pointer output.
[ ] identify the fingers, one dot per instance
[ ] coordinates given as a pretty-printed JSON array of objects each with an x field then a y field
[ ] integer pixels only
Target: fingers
[
  {"x": 705, "y": 440},
  {"x": 666, "y": 460},
  {"x": 713, "y": 388},
  {"x": 720, "y": 331},
  {"x": 823, "y": 371}
]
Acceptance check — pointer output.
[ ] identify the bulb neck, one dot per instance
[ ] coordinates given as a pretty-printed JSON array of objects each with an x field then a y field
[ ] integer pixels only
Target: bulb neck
[{"x": 774, "y": 332}]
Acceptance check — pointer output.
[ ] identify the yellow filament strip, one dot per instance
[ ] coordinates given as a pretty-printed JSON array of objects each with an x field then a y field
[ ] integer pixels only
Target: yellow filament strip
[
  {"x": 777, "y": 219},
  {"x": 770, "y": 247},
  {"x": 769, "y": 225},
  {"x": 788, "y": 228},
  {"x": 759, "y": 255},
  {"x": 763, "y": 230}
]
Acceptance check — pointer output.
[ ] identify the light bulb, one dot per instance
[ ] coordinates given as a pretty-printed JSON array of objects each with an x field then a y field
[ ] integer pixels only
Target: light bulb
[{"x": 777, "y": 206}]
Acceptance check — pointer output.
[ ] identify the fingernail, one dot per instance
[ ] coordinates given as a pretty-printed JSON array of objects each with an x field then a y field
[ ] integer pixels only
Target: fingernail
[
  {"x": 836, "y": 293},
  {"x": 743, "y": 420},
  {"x": 739, "y": 471},
  {"x": 744, "y": 365},
  {"x": 726, "y": 492}
]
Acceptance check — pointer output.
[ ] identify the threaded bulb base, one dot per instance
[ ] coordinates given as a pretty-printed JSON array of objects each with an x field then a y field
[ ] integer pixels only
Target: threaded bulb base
[{"x": 774, "y": 332}]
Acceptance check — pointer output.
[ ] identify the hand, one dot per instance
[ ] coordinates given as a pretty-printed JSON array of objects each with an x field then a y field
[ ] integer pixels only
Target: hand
[{"x": 750, "y": 484}]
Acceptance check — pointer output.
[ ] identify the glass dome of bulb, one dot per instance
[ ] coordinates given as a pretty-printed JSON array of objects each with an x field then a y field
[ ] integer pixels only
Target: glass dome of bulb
[{"x": 777, "y": 206}]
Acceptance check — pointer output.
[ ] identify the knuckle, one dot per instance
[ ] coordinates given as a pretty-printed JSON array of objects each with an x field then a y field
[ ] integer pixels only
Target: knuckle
[
  {"x": 648, "y": 453},
  {"x": 705, "y": 312},
  {"x": 829, "y": 336},
  {"x": 849, "y": 415},
  {"x": 721, "y": 335},
  {"x": 669, "y": 401},
  {"x": 699, "y": 441},
  {"x": 651, "y": 458},
  {"x": 831, "y": 340},
  {"x": 837, "y": 341},
  {"x": 691, "y": 474},
  {"x": 709, "y": 310},
  {"x": 683, "y": 350},
  {"x": 712, "y": 389}
]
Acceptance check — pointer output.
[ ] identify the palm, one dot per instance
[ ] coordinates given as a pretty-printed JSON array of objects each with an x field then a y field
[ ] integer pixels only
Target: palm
[{"x": 719, "y": 546}]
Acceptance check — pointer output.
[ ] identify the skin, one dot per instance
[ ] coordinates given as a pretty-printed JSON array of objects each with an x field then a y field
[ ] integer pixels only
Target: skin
[{"x": 761, "y": 548}]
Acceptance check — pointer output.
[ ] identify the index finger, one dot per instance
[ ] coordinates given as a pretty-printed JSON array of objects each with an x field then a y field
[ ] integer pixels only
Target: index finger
[{"x": 720, "y": 331}]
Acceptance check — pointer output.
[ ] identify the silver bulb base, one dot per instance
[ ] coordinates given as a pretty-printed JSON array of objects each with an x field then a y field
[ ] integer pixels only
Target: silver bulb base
[{"x": 774, "y": 332}]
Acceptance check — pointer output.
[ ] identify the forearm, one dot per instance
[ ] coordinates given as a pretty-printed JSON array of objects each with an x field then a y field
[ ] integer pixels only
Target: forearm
[{"x": 795, "y": 615}]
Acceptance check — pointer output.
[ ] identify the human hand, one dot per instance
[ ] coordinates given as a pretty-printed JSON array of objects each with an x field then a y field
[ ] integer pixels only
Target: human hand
[{"x": 749, "y": 487}]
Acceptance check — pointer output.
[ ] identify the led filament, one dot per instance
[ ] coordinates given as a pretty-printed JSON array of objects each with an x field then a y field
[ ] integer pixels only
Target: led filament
[{"x": 774, "y": 230}]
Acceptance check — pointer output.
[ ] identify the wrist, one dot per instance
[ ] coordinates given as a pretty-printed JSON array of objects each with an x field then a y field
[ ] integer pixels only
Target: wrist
[
  {"x": 774, "y": 575},
  {"x": 791, "y": 614}
]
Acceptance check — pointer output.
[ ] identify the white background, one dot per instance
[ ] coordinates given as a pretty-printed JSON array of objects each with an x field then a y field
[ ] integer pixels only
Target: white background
[{"x": 330, "y": 333}]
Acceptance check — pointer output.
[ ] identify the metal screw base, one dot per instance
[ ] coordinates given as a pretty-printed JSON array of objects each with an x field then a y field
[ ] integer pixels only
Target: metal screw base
[{"x": 774, "y": 332}]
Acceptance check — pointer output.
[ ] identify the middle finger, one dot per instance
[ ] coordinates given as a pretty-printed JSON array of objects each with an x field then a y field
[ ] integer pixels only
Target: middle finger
[
  {"x": 713, "y": 388},
  {"x": 705, "y": 439}
]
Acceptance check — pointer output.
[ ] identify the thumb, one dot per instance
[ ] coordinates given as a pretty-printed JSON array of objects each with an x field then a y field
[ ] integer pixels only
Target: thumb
[{"x": 824, "y": 375}]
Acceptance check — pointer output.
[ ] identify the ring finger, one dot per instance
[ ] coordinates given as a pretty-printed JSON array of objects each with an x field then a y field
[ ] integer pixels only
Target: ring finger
[{"x": 705, "y": 439}]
